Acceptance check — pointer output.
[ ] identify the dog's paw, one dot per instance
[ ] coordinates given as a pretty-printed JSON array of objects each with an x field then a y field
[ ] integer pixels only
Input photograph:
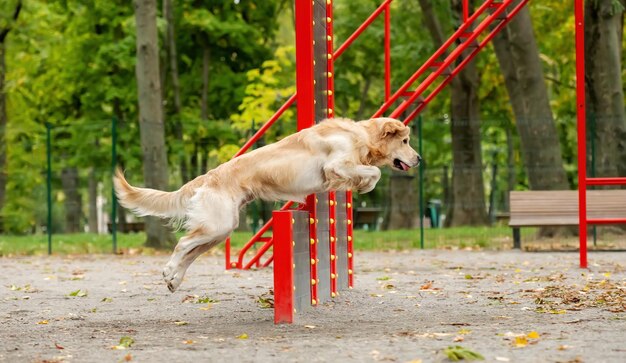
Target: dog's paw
[{"x": 172, "y": 278}]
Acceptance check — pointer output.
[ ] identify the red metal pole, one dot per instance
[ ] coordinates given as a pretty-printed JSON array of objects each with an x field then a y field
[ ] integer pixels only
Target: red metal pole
[
  {"x": 350, "y": 238},
  {"x": 606, "y": 181},
  {"x": 304, "y": 63},
  {"x": 465, "y": 10},
  {"x": 387, "y": 52},
  {"x": 582, "y": 131}
]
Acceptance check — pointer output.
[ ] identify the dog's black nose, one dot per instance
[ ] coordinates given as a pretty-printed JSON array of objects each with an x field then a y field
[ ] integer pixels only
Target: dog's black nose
[{"x": 419, "y": 159}]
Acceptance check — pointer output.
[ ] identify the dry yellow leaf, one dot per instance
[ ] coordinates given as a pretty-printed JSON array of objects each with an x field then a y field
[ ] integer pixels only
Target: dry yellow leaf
[
  {"x": 533, "y": 335},
  {"x": 42, "y": 322},
  {"x": 243, "y": 336},
  {"x": 520, "y": 342},
  {"x": 188, "y": 341}
]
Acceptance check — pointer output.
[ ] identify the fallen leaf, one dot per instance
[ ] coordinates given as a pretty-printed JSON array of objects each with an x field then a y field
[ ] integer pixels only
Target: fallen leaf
[
  {"x": 457, "y": 353},
  {"x": 179, "y": 323},
  {"x": 564, "y": 347},
  {"x": 42, "y": 322},
  {"x": 427, "y": 286},
  {"x": 469, "y": 277},
  {"x": 464, "y": 331},
  {"x": 520, "y": 342},
  {"x": 56, "y": 345},
  {"x": 383, "y": 278},
  {"x": 78, "y": 293},
  {"x": 128, "y": 357},
  {"x": 106, "y": 299},
  {"x": 125, "y": 342},
  {"x": 533, "y": 335},
  {"x": 188, "y": 341},
  {"x": 503, "y": 359},
  {"x": 243, "y": 336},
  {"x": 459, "y": 338},
  {"x": 310, "y": 326},
  {"x": 205, "y": 300}
]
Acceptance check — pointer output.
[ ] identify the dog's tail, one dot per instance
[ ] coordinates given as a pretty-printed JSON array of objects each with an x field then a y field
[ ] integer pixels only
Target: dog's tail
[{"x": 146, "y": 201}]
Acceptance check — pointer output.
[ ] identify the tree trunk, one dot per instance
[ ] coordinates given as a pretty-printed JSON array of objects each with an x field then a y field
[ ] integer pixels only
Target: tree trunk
[
  {"x": 605, "y": 95},
  {"x": 168, "y": 13},
  {"x": 518, "y": 55},
  {"x": 151, "y": 124},
  {"x": 3, "y": 109},
  {"x": 519, "y": 60},
  {"x": 73, "y": 201},
  {"x": 403, "y": 213},
  {"x": 93, "y": 201}
]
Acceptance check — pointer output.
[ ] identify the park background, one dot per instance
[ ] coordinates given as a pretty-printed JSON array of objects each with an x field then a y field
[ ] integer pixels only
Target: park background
[{"x": 68, "y": 96}]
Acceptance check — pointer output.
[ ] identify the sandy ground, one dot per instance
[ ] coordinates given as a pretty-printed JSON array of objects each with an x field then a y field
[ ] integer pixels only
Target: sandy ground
[{"x": 406, "y": 306}]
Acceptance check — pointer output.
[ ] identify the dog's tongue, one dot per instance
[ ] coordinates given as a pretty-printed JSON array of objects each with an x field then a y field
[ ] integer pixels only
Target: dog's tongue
[{"x": 404, "y": 166}]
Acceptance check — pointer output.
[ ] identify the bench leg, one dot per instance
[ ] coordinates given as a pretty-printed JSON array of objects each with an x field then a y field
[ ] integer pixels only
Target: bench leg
[{"x": 517, "y": 239}]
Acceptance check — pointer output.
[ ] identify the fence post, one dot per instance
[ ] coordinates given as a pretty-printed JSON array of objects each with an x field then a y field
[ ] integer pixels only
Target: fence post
[
  {"x": 421, "y": 181},
  {"x": 49, "y": 186},
  {"x": 113, "y": 198}
]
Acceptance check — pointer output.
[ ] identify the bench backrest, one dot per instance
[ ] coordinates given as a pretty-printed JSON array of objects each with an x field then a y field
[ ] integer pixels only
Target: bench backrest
[{"x": 560, "y": 207}]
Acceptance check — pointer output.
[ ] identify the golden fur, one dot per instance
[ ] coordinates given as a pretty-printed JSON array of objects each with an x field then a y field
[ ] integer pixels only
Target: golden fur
[{"x": 336, "y": 154}]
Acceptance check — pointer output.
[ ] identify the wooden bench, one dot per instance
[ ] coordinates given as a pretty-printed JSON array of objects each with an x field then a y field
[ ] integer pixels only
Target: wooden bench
[{"x": 560, "y": 208}]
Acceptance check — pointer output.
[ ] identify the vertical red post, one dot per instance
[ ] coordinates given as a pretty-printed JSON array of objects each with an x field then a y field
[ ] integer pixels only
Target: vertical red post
[
  {"x": 227, "y": 253},
  {"x": 304, "y": 63},
  {"x": 387, "y": 52},
  {"x": 283, "y": 268},
  {"x": 311, "y": 207},
  {"x": 332, "y": 213},
  {"x": 350, "y": 239},
  {"x": 330, "y": 65},
  {"x": 465, "y": 10},
  {"x": 582, "y": 131}
]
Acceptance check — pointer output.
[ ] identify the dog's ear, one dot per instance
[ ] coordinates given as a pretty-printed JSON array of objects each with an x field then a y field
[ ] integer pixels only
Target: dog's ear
[{"x": 392, "y": 128}]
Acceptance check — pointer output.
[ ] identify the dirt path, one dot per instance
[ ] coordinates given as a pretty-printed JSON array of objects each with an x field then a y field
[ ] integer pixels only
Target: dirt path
[{"x": 508, "y": 306}]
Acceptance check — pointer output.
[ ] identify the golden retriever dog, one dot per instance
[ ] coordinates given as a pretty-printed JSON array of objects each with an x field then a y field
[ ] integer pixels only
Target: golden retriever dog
[{"x": 336, "y": 154}]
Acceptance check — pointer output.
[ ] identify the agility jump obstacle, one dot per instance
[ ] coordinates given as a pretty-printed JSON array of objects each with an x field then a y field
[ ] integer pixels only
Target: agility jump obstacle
[{"x": 313, "y": 244}]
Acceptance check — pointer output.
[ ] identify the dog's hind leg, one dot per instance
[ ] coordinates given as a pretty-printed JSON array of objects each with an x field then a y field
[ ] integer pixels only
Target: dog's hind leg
[
  {"x": 188, "y": 248},
  {"x": 212, "y": 218}
]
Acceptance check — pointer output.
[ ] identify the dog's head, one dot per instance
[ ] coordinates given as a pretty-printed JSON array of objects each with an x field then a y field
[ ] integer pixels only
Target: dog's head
[{"x": 389, "y": 144}]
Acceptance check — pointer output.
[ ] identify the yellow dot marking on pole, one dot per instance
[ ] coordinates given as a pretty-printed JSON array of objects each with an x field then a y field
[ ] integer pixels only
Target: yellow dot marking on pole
[
  {"x": 332, "y": 294},
  {"x": 312, "y": 261},
  {"x": 349, "y": 221},
  {"x": 329, "y": 38},
  {"x": 350, "y": 255},
  {"x": 349, "y": 272},
  {"x": 332, "y": 239},
  {"x": 328, "y": 19},
  {"x": 332, "y": 221},
  {"x": 312, "y": 241},
  {"x": 312, "y": 282},
  {"x": 349, "y": 205},
  {"x": 313, "y": 302},
  {"x": 311, "y": 220},
  {"x": 333, "y": 276},
  {"x": 331, "y": 202},
  {"x": 349, "y": 238}
]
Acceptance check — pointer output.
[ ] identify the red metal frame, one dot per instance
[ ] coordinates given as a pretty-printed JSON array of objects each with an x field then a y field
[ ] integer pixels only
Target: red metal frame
[{"x": 305, "y": 83}]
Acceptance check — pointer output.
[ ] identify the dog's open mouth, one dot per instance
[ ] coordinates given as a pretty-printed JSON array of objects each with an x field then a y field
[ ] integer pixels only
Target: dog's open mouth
[{"x": 399, "y": 164}]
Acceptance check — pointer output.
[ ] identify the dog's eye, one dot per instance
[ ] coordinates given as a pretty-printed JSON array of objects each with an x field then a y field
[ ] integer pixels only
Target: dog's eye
[{"x": 405, "y": 141}]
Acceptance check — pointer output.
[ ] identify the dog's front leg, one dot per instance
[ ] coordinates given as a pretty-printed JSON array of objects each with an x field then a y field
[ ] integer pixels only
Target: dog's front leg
[{"x": 348, "y": 176}]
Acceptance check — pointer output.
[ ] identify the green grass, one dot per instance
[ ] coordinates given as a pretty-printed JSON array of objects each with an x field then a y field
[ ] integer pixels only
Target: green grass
[{"x": 460, "y": 237}]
